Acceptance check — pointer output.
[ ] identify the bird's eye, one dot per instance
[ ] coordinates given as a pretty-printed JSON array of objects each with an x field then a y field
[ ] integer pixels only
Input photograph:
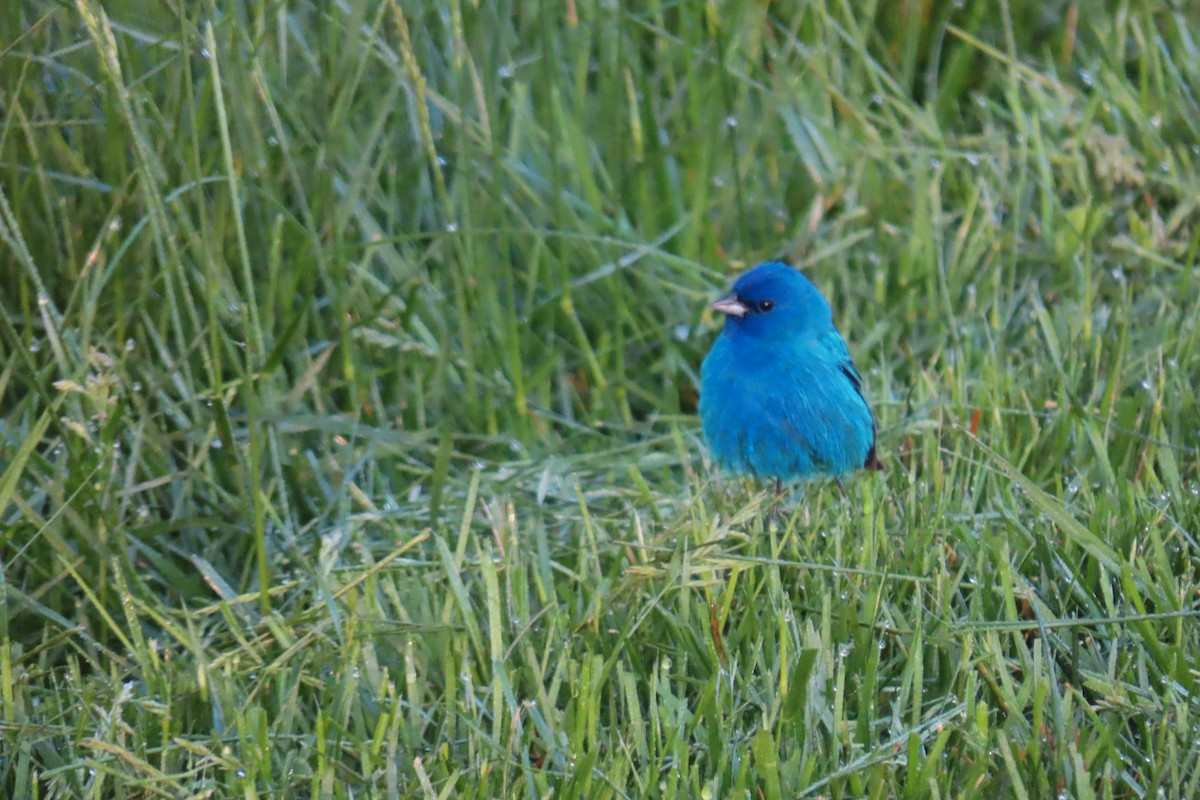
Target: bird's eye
[{"x": 766, "y": 305}]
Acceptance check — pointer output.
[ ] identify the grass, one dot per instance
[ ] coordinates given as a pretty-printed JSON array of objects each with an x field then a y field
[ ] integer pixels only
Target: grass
[{"x": 347, "y": 433}]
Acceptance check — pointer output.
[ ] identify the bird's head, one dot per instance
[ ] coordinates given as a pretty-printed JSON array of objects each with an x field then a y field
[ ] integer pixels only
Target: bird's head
[{"x": 773, "y": 300}]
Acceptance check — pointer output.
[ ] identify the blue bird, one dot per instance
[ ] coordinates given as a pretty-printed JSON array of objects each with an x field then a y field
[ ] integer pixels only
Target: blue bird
[{"x": 780, "y": 398}]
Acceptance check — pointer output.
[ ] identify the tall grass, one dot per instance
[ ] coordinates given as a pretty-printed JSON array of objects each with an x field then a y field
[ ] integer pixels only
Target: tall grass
[{"x": 347, "y": 390}]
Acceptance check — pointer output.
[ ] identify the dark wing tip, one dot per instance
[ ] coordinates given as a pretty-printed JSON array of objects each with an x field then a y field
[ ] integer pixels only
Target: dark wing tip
[{"x": 873, "y": 463}]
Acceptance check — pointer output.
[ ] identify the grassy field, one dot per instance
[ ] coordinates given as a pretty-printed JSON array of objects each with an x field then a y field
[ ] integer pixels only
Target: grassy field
[{"x": 348, "y": 356}]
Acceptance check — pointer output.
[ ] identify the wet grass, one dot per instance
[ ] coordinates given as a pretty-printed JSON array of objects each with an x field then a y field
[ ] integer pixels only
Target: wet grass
[{"x": 347, "y": 435}]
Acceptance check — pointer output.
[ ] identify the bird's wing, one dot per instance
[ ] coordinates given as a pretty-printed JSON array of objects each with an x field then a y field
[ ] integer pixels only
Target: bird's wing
[
  {"x": 847, "y": 368},
  {"x": 834, "y": 342},
  {"x": 835, "y": 345}
]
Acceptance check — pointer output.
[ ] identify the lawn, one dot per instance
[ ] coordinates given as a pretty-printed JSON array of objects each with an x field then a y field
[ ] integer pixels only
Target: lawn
[{"x": 348, "y": 365}]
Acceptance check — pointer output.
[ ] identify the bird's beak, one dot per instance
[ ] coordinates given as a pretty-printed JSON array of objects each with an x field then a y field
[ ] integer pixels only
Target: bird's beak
[{"x": 730, "y": 305}]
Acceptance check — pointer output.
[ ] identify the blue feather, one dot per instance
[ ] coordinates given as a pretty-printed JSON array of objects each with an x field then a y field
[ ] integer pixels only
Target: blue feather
[{"x": 780, "y": 397}]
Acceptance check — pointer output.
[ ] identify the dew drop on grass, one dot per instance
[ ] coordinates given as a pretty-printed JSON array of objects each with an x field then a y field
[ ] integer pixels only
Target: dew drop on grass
[
  {"x": 1086, "y": 78},
  {"x": 973, "y": 159},
  {"x": 1156, "y": 121},
  {"x": 731, "y": 122},
  {"x": 452, "y": 227},
  {"x": 877, "y": 100},
  {"x": 35, "y": 346},
  {"x": 130, "y": 345}
]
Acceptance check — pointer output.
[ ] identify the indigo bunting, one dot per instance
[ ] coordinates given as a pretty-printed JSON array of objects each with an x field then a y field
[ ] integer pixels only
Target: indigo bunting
[{"x": 779, "y": 396}]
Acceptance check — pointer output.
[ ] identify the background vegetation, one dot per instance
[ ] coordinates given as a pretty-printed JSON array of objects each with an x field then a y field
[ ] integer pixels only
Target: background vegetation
[{"x": 347, "y": 389}]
